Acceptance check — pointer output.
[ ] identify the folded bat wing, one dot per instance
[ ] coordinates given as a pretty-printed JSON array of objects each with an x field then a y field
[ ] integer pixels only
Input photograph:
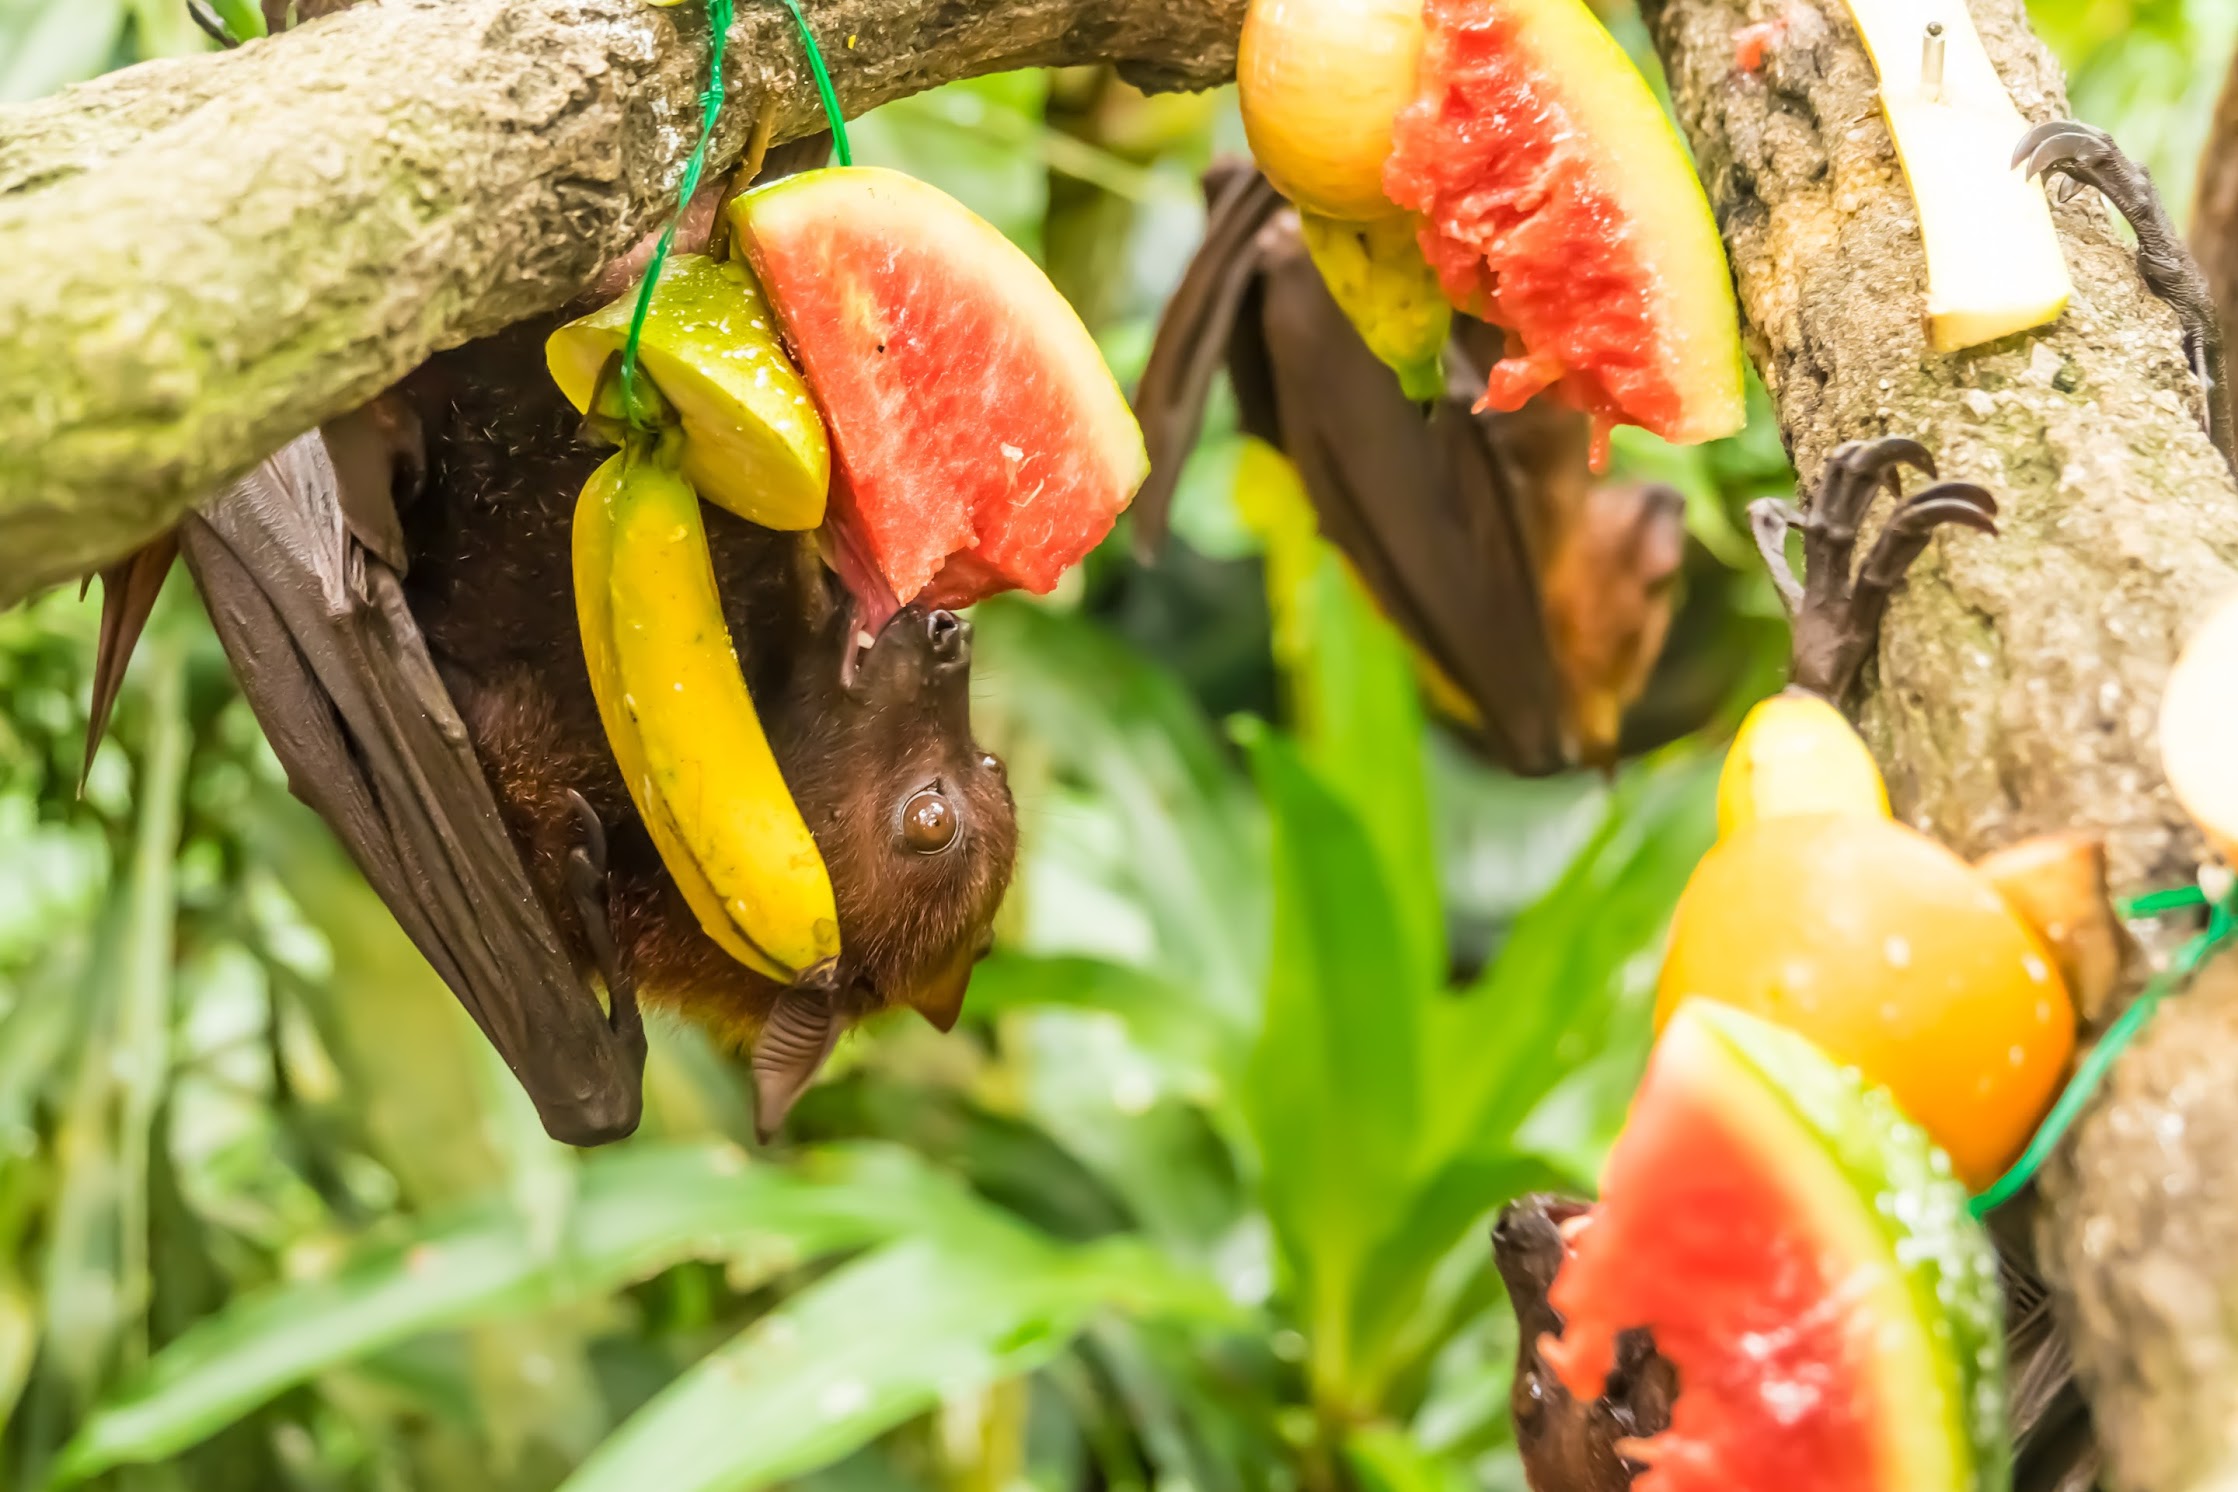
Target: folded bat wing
[{"x": 341, "y": 680}]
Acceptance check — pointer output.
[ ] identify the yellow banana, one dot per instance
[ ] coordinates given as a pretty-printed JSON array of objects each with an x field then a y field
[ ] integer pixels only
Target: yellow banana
[
  {"x": 682, "y": 725},
  {"x": 1387, "y": 290},
  {"x": 1795, "y": 754}
]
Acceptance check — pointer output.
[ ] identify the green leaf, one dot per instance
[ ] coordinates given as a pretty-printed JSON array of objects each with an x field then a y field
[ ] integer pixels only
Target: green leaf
[
  {"x": 1386, "y": 1459},
  {"x": 1334, "y": 1088},
  {"x": 55, "y": 44},
  {"x": 872, "y": 1345},
  {"x": 1353, "y": 699},
  {"x": 639, "y": 1211}
]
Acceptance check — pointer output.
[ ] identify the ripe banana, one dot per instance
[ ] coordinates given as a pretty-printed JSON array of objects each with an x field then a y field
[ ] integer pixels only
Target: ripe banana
[
  {"x": 683, "y": 728},
  {"x": 1387, "y": 290}
]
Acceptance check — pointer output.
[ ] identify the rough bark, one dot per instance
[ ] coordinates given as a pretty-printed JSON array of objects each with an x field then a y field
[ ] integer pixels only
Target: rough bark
[
  {"x": 2018, "y": 678},
  {"x": 206, "y": 257}
]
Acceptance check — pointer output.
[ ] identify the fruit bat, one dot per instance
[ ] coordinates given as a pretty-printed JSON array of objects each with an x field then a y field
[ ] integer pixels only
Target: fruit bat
[
  {"x": 1541, "y": 600},
  {"x": 395, "y": 594}
]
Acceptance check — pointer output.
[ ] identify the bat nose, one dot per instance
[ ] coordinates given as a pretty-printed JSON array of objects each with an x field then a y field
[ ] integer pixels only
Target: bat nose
[{"x": 950, "y": 636}]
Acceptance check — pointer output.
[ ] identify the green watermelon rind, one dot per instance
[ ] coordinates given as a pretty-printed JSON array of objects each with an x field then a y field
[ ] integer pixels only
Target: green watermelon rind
[{"x": 1947, "y": 1258}]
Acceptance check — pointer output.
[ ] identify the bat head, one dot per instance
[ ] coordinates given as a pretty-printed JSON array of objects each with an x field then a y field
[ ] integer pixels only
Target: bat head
[
  {"x": 914, "y": 819},
  {"x": 1568, "y": 1444}
]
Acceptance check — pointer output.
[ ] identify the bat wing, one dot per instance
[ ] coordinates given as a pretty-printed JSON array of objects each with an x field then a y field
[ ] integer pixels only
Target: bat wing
[
  {"x": 336, "y": 670},
  {"x": 1429, "y": 511},
  {"x": 1194, "y": 337}
]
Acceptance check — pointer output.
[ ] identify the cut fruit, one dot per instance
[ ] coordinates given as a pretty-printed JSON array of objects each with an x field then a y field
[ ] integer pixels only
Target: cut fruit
[
  {"x": 1805, "y": 1260},
  {"x": 1377, "y": 276},
  {"x": 753, "y": 440},
  {"x": 2199, "y": 727},
  {"x": 1560, "y": 204},
  {"x": 1796, "y": 754},
  {"x": 1994, "y": 264},
  {"x": 1893, "y": 955},
  {"x": 1318, "y": 83},
  {"x": 2057, "y": 883},
  {"x": 982, "y": 441}
]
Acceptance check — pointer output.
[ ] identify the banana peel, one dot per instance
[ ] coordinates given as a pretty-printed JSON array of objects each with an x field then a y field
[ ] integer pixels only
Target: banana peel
[
  {"x": 754, "y": 439},
  {"x": 683, "y": 727},
  {"x": 1377, "y": 275}
]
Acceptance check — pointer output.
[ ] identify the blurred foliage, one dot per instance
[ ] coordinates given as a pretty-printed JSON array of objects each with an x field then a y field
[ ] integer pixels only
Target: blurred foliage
[{"x": 1291, "y": 994}]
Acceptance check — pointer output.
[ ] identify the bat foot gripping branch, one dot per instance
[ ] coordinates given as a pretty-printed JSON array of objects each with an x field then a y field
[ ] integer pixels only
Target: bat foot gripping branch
[
  {"x": 2089, "y": 157},
  {"x": 586, "y": 880},
  {"x": 1837, "y": 617}
]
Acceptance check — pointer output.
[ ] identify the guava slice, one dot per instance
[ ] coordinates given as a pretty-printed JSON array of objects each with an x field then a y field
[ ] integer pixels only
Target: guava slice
[
  {"x": 753, "y": 439},
  {"x": 982, "y": 443},
  {"x": 1805, "y": 1260},
  {"x": 1559, "y": 203}
]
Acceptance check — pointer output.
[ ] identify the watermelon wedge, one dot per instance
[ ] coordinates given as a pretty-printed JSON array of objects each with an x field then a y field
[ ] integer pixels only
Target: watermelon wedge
[
  {"x": 981, "y": 442},
  {"x": 1558, "y": 203},
  {"x": 1805, "y": 1260}
]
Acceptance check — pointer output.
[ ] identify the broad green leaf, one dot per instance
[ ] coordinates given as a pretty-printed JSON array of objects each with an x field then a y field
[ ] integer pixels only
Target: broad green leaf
[
  {"x": 873, "y": 1344},
  {"x": 49, "y": 45},
  {"x": 1352, "y": 695},
  {"x": 1385, "y": 1459},
  {"x": 1334, "y": 1094},
  {"x": 1077, "y": 712},
  {"x": 640, "y": 1210},
  {"x": 1494, "y": 1052}
]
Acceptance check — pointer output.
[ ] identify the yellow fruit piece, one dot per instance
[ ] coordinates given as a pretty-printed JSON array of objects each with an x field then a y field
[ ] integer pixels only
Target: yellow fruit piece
[
  {"x": 753, "y": 438},
  {"x": 707, "y": 764},
  {"x": 1796, "y": 754},
  {"x": 2199, "y": 727},
  {"x": 1894, "y": 957},
  {"x": 594, "y": 611},
  {"x": 1994, "y": 265},
  {"x": 1377, "y": 275},
  {"x": 1319, "y": 82}
]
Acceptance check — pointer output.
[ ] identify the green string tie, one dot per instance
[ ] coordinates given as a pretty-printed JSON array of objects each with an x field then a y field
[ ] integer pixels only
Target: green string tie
[
  {"x": 2222, "y": 923},
  {"x": 710, "y": 106}
]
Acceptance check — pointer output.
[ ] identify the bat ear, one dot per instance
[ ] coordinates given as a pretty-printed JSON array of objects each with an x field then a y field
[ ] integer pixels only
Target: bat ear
[
  {"x": 788, "y": 1053},
  {"x": 379, "y": 455},
  {"x": 128, "y": 591},
  {"x": 939, "y": 996}
]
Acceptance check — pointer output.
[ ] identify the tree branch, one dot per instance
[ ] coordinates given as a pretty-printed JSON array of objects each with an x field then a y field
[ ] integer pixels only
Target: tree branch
[
  {"x": 2019, "y": 678},
  {"x": 207, "y": 257}
]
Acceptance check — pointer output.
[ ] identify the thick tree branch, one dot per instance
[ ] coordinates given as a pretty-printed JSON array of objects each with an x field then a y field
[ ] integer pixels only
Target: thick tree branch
[
  {"x": 2018, "y": 678},
  {"x": 206, "y": 257}
]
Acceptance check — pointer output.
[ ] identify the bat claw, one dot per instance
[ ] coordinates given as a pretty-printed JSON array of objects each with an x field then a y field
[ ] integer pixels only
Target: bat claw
[
  {"x": 2086, "y": 156},
  {"x": 1838, "y": 620},
  {"x": 586, "y": 881},
  {"x": 1770, "y": 519}
]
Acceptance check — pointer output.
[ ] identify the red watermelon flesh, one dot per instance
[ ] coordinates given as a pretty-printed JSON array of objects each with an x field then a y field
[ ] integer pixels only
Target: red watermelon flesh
[
  {"x": 981, "y": 443},
  {"x": 1805, "y": 1261},
  {"x": 1558, "y": 203}
]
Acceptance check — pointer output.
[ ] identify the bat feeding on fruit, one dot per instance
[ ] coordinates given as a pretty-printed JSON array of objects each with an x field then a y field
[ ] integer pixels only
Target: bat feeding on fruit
[{"x": 586, "y": 732}]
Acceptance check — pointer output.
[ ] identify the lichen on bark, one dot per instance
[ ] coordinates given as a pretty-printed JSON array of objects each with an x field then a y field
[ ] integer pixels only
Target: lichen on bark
[
  {"x": 2018, "y": 678},
  {"x": 207, "y": 257}
]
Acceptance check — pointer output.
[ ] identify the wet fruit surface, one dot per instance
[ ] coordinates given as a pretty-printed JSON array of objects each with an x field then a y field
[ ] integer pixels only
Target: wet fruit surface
[
  {"x": 1560, "y": 204},
  {"x": 1893, "y": 955}
]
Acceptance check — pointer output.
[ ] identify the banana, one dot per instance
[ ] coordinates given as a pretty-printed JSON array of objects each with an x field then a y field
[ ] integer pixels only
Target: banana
[
  {"x": 682, "y": 725},
  {"x": 1387, "y": 290},
  {"x": 1795, "y": 754}
]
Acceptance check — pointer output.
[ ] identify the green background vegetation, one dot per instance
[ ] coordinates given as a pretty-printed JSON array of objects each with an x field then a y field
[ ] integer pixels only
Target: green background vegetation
[{"x": 1290, "y": 995}]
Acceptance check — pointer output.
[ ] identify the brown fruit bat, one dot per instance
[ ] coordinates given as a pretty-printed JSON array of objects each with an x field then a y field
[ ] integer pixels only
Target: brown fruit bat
[
  {"x": 1542, "y": 599},
  {"x": 395, "y": 592}
]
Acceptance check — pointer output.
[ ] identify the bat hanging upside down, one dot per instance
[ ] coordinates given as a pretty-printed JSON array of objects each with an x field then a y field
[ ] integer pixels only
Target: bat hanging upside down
[{"x": 396, "y": 594}]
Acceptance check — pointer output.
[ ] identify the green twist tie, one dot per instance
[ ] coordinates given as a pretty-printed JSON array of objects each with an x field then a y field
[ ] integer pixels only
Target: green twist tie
[
  {"x": 711, "y": 106},
  {"x": 2222, "y": 923}
]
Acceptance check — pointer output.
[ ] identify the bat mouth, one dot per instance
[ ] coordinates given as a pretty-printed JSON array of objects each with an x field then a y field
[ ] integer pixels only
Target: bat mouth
[{"x": 912, "y": 652}]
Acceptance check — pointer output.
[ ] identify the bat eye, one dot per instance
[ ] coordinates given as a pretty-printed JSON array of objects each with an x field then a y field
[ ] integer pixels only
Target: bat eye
[
  {"x": 928, "y": 822},
  {"x": 989, "y": 762}
]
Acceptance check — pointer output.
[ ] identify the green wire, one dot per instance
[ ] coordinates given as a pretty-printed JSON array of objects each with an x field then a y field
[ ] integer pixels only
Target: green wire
[
  {"x": 710, "y": 107},
  {"x": 2221, "y": 924}
]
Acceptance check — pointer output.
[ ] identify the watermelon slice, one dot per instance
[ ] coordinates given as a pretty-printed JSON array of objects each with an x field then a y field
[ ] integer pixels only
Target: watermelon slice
[
  {"x": 1559, "y": 203},
  {"x": 1805, "y": 1260},
  {"x": 982, "y": 444}
]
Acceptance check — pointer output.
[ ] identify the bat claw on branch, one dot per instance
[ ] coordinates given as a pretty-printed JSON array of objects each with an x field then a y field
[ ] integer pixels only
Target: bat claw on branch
[
  {"x": 2086, "y": 156},
  {"x": 586, "y": 879}
]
